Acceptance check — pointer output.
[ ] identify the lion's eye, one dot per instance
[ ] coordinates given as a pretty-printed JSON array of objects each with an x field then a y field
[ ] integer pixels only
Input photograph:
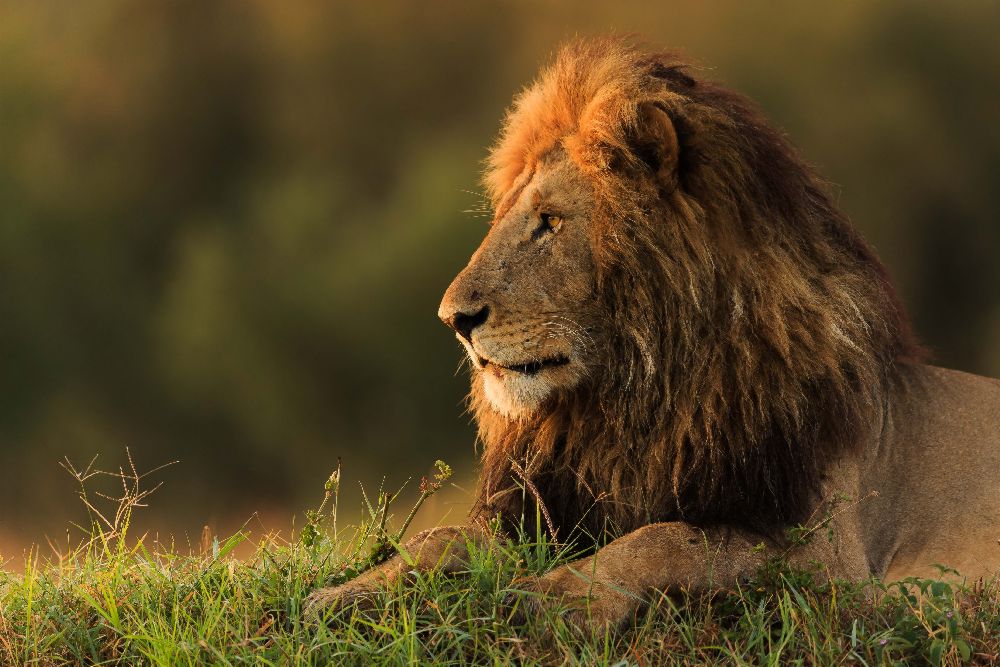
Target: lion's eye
[{"x": 548, "y": 223}]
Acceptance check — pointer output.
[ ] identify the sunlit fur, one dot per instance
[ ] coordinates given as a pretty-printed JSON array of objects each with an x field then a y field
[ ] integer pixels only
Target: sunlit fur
[{"x": 752, "y": 332}]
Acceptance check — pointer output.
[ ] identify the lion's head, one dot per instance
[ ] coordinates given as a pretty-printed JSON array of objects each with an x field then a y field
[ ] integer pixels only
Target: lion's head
[
  {"x": 525, "y": 307},
  {"x": 669, "y": 318}
]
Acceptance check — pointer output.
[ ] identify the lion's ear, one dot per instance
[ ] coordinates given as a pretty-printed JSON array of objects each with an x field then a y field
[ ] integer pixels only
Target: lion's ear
[{"x": 656, "y": 143}]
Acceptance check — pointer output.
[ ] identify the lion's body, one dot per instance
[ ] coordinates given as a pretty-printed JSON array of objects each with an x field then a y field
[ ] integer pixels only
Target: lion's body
[
  {"x": 926, "y": 477},
  {"x": 678, "y": 338},
  {"x": 934, "y": 464}
]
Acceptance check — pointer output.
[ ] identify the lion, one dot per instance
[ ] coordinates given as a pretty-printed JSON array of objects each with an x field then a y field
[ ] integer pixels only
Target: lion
[{"x": 681, "y": 348}]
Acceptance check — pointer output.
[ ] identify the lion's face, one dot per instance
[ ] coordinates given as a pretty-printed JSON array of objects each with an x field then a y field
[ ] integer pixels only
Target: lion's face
[{"x": 525, "y": 307}]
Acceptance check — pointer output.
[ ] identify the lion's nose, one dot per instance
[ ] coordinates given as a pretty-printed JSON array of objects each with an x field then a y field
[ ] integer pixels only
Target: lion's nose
[{"x": 464, "y": 323}]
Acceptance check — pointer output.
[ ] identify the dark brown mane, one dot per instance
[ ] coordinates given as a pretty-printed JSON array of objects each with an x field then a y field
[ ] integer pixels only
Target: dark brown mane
[{"x": 756, "y": 330}]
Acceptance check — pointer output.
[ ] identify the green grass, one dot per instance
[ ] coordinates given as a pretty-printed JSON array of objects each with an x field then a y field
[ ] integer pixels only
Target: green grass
[{"x": 113, "y": 600}]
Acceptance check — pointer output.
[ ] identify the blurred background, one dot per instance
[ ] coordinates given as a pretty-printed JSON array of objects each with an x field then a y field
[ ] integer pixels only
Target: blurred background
[{"x": 225, "y": 226}]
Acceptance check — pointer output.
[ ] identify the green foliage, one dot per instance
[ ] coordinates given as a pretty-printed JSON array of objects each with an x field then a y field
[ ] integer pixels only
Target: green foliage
[
  {"x": 118, "y": 600},
  {"x": 372, "y": 543},
  {"x": 928, "y": 618},
  {"x": 225, "y": 226}
]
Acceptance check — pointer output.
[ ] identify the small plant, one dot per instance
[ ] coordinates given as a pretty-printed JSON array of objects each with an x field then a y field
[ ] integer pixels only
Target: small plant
[
  {"x": 312, "y": 534},
  {"x": 382, "y": 544},
  {"x": 928, "y": 618},
  {"x": 111, "y": 525}
]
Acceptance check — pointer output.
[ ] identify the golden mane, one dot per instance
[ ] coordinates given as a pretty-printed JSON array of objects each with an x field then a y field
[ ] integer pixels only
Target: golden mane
[{"x": 755, "y": 329}]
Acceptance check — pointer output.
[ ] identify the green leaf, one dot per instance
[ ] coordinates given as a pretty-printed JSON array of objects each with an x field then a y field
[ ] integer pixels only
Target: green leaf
[
  {"x": 937, "y": 648},
  {"x": 230, "y": 544},
  {"x": 963, "y": 649}
]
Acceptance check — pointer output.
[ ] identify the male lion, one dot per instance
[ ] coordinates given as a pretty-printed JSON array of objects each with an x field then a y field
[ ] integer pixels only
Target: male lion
[{"x": 676, "y": 337}]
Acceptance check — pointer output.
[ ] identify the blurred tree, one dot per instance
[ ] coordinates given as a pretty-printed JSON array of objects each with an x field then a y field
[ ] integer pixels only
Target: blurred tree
[{"x": 225, "y": 227}]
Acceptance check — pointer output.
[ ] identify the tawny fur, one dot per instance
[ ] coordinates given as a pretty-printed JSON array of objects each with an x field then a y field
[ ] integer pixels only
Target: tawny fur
[{"x": 759, "y": 330}]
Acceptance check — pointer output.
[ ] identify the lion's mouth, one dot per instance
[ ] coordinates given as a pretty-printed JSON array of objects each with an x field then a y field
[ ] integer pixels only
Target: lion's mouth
[{"x": 527, "y": 368}]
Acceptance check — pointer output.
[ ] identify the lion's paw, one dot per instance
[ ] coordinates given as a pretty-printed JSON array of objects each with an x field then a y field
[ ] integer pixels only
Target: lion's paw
[
  {"x": 533, "y": 597},
  {"x": 581, "y": 605},
  {"x": 327, "y": 602}
]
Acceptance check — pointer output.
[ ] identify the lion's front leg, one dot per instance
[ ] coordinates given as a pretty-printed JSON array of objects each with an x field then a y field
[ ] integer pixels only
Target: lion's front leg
[
  {"x": 606, "y": 589},
  {"x": 444, "y": 548}
]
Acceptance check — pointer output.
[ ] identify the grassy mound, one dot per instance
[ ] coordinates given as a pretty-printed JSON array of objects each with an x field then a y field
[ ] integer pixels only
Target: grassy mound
[{"x": 115, "y": 600}]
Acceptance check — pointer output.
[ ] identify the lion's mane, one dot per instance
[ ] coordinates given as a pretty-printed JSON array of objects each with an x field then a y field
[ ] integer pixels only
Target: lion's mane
[{"x": 755, "y": 333}]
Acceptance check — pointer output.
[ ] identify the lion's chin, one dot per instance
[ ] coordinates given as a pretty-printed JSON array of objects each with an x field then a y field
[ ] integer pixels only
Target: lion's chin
[
  {"x": 515, "y": 395},
  {"x": 519, "y": 395}
]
